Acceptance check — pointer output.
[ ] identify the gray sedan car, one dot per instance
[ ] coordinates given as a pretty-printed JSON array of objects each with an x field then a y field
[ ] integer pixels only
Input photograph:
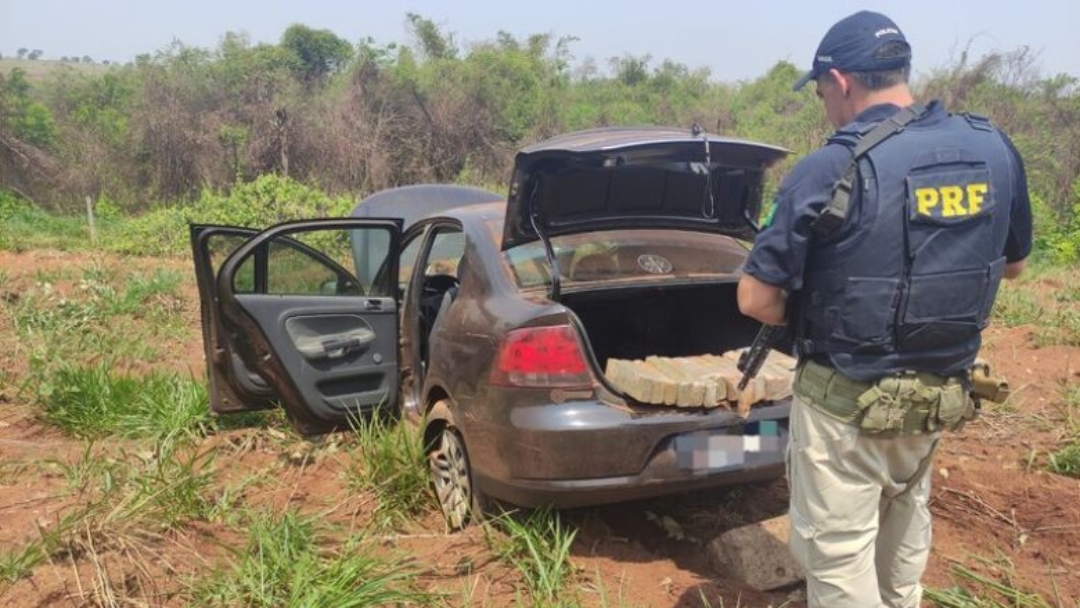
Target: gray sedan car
[{"x": 490, "y": 320}]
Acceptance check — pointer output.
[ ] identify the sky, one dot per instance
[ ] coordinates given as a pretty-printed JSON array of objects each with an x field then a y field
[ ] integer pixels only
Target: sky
[{"x": 735, "y": 40}]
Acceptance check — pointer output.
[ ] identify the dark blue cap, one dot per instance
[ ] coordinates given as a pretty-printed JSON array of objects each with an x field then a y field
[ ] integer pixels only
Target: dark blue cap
[{"x": 849, "y": 46}]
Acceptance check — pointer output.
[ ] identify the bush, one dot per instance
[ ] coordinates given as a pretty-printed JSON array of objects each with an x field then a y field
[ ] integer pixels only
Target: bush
[
  {"x": 162, "y": 232},
  {"x": 26, "y": 226},
  {"x": 269, "y": 199}
]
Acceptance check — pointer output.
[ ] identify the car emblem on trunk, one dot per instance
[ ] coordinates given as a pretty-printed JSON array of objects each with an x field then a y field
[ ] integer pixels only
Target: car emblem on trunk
[{"x": 654, "y": 264}]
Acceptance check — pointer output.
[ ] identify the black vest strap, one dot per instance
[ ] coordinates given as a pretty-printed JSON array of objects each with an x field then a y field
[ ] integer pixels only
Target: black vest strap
[{"x": 832, "y": 217}]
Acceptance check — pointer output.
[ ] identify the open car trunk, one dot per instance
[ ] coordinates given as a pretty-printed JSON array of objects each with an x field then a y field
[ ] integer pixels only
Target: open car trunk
[{"x": 676, "y": 345}]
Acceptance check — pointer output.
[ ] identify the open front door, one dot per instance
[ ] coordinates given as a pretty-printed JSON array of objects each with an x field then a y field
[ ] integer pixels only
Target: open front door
[{"x": 286, "y": 318}]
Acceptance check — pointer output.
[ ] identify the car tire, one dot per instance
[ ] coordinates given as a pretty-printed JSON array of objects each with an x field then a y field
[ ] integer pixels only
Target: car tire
[{"x": 460, "y": 500}]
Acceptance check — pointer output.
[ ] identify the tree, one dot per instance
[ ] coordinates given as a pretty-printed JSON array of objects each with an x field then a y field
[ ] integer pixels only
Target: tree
[
  {"x": 317, "y": 53},
  {"x": 631, "y": 70},
  {"x": 434, "y": 44},
  {"x": 22, "y": 52},
  {"x": 29, "y": 120},
  {"x": 35, "y": 54}
]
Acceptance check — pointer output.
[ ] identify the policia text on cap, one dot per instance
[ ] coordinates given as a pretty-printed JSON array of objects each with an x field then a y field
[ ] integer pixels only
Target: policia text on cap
[{"x": 884, "y": 256}]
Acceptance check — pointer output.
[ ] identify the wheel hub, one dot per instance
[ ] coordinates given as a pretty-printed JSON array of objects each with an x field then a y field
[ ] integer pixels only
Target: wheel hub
[{"x": 450, "y": 472}]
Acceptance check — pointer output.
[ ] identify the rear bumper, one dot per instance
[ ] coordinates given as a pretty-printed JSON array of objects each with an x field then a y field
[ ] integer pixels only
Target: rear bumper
[
  {"x": 587, "y": 453},
  {"x": 571, "y": 493}
]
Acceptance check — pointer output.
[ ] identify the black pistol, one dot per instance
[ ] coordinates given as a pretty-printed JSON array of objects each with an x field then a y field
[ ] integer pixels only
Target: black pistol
[{"x": 751, "y": 359}]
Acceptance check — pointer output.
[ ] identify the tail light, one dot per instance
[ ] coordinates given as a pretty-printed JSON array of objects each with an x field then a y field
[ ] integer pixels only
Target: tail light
[{"x": 541, "y": 357}]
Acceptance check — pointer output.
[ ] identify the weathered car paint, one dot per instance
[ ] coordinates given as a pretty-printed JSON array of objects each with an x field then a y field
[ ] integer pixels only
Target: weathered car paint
[
  {"x": 583, "y": 453},
  {"x": 529, "y": 448}
]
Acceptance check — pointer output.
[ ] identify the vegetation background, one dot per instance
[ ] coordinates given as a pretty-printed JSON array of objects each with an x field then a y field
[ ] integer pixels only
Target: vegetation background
[{"x": 308, "y": 125}]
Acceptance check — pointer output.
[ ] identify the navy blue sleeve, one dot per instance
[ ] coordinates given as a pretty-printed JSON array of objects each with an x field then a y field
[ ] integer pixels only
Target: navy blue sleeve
[
  {"x": 779, "y": 254},
  {"x": 1018, "y": 244}
]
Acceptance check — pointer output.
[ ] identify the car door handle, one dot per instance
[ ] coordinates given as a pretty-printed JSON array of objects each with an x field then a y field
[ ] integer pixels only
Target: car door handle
[
  {"x": 335, "y": 346},
  {"x": 372, "y": 305}
]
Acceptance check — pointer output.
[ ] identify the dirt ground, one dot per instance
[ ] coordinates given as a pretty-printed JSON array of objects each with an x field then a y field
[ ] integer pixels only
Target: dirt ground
[{"x": 998, "y": 512}]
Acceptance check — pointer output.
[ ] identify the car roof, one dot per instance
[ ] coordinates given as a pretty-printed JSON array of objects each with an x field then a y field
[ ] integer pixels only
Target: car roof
[{"x": 415, "y": 202}]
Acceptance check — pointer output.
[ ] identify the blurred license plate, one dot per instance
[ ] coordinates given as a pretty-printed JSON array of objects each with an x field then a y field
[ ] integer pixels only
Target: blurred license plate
[{"x": 759, "y": 443}]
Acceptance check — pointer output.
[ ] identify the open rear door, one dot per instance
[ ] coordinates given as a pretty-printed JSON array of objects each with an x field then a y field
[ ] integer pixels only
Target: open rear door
[
  {"x": 234, "y": 387},
  {"x": 285, "y": 318}
]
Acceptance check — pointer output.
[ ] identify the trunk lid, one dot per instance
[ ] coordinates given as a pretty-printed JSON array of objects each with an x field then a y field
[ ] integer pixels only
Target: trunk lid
[{"x": 640, "y": 177}]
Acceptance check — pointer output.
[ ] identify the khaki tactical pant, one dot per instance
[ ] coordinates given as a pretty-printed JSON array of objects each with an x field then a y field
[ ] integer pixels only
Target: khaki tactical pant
[{"x": 860, "y": 520}]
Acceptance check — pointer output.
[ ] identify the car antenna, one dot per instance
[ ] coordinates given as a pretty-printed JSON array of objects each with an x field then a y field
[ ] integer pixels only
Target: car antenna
[{"x": 710, "y": 210}]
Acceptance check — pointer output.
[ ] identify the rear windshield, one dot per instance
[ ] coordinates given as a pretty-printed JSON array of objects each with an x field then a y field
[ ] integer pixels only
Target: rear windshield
[{"x": 628, "y": 255}]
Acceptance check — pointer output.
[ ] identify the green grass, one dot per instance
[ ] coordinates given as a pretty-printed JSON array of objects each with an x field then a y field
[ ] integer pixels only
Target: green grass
[
  {"x": 389, "y": 459},
  {"x": 1066, "y": 459},
  {"x": 152, "y": 295},
  {"x": 972, "y": 590},
  {"x": 126, "y": 504},
  {"x": 538, "y": 547},
  {"x": 19, "y": 563},
  {"x": 81, "y": 472},
  {"x": 75, "y": 339},
  {"x": 27, "y": 227},
  {"x": 95, "y": 402},
  {"x": 104, "y": 318},
  {"x": 161, "y": 232},
  {"x": 284, "y": 565},
  {"x": 1016, "y": 305},
  {"x": 1061, "y": 326},
  {"x": 171, "y": 489},
  {"x": 1056, "y": 322},
  {"x": 1068, "y": 294}
]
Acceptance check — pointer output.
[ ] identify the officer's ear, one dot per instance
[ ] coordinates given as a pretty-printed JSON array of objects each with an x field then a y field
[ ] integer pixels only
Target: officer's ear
[{"x": 841, "y": 81}]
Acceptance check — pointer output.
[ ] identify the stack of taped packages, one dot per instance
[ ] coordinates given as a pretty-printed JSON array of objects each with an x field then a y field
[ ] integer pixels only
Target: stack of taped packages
[{"x": 702, "y": 381}]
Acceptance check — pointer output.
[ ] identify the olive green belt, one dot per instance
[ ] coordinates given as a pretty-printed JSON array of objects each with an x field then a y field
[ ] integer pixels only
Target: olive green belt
[{"x": 904, "y": 403}]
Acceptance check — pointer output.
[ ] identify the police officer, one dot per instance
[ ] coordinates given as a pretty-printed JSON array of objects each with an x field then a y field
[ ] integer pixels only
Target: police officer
[{"x": 891, "y": 240}]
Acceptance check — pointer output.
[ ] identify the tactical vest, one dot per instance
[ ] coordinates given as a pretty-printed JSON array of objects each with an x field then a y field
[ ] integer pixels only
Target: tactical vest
[{"x": 908, "y": 283}]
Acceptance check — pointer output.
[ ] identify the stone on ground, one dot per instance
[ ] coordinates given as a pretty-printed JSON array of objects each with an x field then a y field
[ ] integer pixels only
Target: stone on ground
[{"x": 756, "y": 555}]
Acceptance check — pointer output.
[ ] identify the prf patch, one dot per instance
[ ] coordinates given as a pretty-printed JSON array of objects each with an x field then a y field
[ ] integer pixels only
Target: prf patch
[{"x": 950, "y": 196}]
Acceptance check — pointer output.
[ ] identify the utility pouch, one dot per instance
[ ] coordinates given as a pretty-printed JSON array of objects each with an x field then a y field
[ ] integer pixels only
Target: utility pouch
[
  {"x": 880, "y": 410},
  {"x": 912, "y": 404},
  {"x": 955, "y": 407}
]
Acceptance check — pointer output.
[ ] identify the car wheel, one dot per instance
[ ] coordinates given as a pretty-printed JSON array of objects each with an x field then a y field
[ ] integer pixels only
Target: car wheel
[{"x": 449, "y": 462}]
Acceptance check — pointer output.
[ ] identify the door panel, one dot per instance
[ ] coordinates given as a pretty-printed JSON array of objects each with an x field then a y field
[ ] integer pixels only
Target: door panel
[
  {"x": 325, "y": 342},
  {"x": 341, "y": 362}
]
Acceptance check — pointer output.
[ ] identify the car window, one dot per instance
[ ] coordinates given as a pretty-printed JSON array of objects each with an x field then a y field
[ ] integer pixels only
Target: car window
[
  {"x": 619, "y": 255},
  {"x": 407, "y": 260},
  {"x": 220, "y": 247},
  {"x": 316, "y": 261},
  {"x": 447, "y": 247},
  {"x": 292, "y": 271}
]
